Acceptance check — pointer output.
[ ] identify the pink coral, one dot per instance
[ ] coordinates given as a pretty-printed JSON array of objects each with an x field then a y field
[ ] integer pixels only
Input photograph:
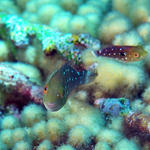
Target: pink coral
[{"x": 18, "y": 86}]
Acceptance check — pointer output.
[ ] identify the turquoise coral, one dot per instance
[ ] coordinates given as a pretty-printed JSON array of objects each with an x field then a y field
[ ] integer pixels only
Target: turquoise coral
[{"x": 68, "y": 45}]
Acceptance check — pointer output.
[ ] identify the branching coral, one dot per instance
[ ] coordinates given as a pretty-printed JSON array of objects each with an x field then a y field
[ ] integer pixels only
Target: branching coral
[
  {"x": 68, "y": 45},
  {"x": 32, "y": 114},
  {"x": 78, "y": 125},
  {"x": 114, "y": 23},
  {"x": 45, "y": 145},
  {"x": 102, "y": 146},
  {"x": 144, "y": 31},
  {"x": 126, "y": 144},
  {"x": 79, "y": 136},
  {"x": 9, "y": 122},
  {"x": 38, "y": 131},
  {"x": 108, "y": 135},
  {"x": 117, "y": 79},
  {"x": 128, "y": 38}
]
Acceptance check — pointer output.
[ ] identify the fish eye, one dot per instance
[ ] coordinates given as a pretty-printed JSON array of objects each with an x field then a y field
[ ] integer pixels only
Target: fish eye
[
  {"x": 45, "y": 89},
  {"x": 136, "y": 54}
]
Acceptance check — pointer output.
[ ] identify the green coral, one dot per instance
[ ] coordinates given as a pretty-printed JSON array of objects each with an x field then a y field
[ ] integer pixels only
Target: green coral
[
  {"x": 50, "y": 132},
  {"x": 67, "y": 45}
]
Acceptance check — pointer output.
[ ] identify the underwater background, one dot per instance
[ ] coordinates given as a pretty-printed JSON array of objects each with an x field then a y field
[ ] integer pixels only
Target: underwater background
[{"x": 74, "y": 75}]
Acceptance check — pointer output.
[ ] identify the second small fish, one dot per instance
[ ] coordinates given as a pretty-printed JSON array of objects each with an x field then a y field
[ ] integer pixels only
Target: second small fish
[{"x": 124, "y": 53}]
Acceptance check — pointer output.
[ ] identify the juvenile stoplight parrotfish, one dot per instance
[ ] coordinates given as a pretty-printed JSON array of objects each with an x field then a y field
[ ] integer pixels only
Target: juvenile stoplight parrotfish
[
  {"x": 61, "y": 82},
  {"x": 124, "y": 53}
]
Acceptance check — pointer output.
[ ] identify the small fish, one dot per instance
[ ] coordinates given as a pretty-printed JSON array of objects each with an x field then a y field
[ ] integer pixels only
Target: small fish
[
  {"x": 60, "y": 83},
  {"x": 124, "y": 53}
]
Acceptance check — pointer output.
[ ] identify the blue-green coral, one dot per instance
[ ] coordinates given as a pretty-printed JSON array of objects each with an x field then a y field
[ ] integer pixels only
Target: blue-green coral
[{"x": 68, "y": 45}]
